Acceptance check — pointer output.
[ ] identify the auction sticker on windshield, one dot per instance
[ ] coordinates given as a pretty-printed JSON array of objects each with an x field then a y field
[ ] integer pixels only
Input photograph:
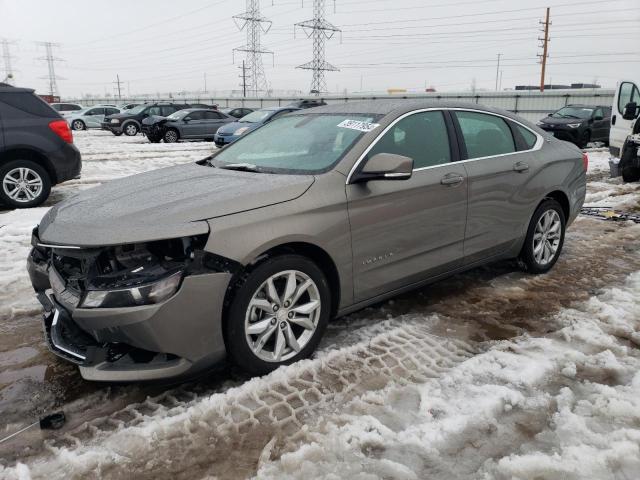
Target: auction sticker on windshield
[{"x": 358, "y": 125}]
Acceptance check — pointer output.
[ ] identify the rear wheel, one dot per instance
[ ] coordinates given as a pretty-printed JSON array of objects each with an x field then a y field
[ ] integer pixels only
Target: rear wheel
[
  {"x": 545, "y": 237},
  {"x": 171, "y": 136},
  {"x": 278, "y": 314},
  {"x": 78, "y": 125},
  {"x": 25, "y": 184},
  {"x": 130, "y": 129}
]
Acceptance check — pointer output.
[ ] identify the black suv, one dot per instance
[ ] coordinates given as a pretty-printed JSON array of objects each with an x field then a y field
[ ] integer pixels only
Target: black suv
[
  {"x": 579, "y": 124},
  {"x": 36, "y": 148},
  {"x": 129, "y": 122}
]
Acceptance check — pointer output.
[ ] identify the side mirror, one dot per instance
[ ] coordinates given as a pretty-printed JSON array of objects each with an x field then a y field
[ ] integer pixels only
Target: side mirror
[
  {"x": 549, "y": 115},
  {"x": 630, "y": 111},
  {"x": 186, "y": 119},
  {"x": 386, "y": 166}
]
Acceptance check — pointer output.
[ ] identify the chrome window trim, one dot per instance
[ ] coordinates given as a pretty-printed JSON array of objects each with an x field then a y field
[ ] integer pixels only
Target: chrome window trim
[{"x": 536, "y": 146}]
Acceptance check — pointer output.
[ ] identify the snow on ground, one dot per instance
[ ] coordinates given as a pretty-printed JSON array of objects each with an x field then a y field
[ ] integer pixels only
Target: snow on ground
[{"x": 505, "y": 378}]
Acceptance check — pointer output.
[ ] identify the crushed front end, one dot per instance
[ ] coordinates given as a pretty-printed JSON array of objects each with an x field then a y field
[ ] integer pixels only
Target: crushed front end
[{"x": 133, "y": 312}]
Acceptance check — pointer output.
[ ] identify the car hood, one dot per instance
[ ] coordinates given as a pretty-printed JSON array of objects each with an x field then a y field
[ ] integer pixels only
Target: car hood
[
  {"x": 167, "y": 203},
  {"x": 153, "y": 119},
  {"x": 119, "y": 115},
  {"x": 233, "y": 126},
  {"x": 560, "y": 121}
]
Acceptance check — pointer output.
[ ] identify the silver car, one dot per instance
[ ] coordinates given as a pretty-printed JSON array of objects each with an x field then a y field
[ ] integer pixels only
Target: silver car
[
  {"x": 250, "y": 252},
  {"x": 91, "y": 117}
]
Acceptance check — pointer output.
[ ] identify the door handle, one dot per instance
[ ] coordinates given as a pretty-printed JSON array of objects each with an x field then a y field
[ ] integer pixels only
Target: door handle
[
  {"x": 521, "y": 167},
  {"x": 613, "y": 120},
  {"x": 452, "y": 179}
]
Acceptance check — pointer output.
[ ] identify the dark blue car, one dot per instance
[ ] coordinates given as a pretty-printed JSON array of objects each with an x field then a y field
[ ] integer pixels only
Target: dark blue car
[{"x": 232, "y": 131}]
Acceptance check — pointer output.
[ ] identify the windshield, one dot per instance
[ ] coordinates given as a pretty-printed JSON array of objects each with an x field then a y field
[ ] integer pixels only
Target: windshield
[
  {"x": 298, "y": 143},
  {"x": 178, "y": 115},
  {"x": 137, "y": 109},
  {"x": 256, "y": 117},
  {"x": 573, "y": 112}
]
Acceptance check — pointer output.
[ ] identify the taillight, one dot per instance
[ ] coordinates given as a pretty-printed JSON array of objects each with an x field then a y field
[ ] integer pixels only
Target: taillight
[
  {"x": 585, "y": 161},
  {"x": 61, "y": 128}
]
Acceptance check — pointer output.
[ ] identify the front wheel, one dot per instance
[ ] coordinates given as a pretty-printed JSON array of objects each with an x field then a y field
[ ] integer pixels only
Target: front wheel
[
  {"x": 585, "y": 138},
  {"x": 545, "y": 237},
  {"x": 628, "y": 166},
  {"x": 131, "y": 129},
  {"x": 170, "y": 136},
  {"x": 25, "y": 184},
  {"x": 278, "y": 314}
]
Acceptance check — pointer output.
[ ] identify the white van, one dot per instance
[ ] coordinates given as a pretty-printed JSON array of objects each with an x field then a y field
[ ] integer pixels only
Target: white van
[{"x": 627, "y": 94}]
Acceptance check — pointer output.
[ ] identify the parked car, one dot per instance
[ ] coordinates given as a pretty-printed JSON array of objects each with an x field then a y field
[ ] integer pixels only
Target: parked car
[
  {"x": 128, "y": 106},
  {"x": 65, "y": 109},
  {"x": 231, "y": 132},
  {"x": 203, "y": 105},
  {"x": 187, "y": 124},
  {"x": 249, "y": 252},
  {"x": 308, "y": 103},
  {"x": 237, "y": 112},
  {"x": 579, "y": 124},
  {"x": 91, "y": 117},
  {"x": 129, "y": 122},
  {"x": 36, "y": 148}
]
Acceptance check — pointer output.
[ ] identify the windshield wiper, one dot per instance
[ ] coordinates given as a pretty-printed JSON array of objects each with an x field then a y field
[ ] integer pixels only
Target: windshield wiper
[{"x": 244, "y": 167}]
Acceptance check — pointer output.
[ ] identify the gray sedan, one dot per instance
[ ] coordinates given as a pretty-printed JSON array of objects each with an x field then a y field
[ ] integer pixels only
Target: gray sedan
[
  {"x": 91, "y": 117},
  {"x": 187, "y": 124},
  {"x": 250, "y": 252}
]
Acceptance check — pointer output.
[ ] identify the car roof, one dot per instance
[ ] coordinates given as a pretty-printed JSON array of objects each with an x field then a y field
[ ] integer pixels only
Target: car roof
[
  {"x": 6, "y": 88},
  {"x": 276, "y": 109},
  {"x": 399, "y": 106},
  {"x": 582, "y": 105}
]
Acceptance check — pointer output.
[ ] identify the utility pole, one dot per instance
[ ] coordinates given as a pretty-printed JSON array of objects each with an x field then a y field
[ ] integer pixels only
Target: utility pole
[
  {"x": 255, "y": 25},
  {"x": 545, "y": 48},
  {"x": 118, "y": 82},
  {"x": 243, "y": 76},
  {"x": 50, "y": 59},
  {"x": 320, "y": 31},
  {"x": 498, "y": 71},
  {"x": 205, "y": 83},
  {"x": 6, "y": 55}
]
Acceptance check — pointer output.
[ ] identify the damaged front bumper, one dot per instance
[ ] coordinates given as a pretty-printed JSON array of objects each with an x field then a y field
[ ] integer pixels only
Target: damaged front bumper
[{"x": 174, "y": 337}]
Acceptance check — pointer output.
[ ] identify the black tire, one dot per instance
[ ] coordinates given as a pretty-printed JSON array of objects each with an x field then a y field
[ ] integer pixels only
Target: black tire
[
  {"x": 585, "y": 138},
  {"x": 130, "y": 129},
  {"x": 43, "y": 194},
  {"x": 171, "y": 136},
  {"x": 154, "y": 138},
  {"x": 527, "y": 257},
  {"x": 250, "y": 282},
  {"x": 630, "y": 172},
  {"x": 117, "y": 134},
  {"x": 78, "y": 125}
]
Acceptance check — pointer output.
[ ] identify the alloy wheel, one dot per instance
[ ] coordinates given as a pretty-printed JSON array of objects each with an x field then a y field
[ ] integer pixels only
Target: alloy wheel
[
  {"x": 131, "y": 129},
  {"x": 171, "y": 136},
  {"x": 546, "y": 238},
  {"x": 78, "y": 125},
  {"x": 22, "y": 184},
  {"x": 282, "y": 316}
]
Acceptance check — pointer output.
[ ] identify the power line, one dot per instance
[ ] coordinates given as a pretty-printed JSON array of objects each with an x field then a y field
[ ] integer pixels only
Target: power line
[
  {"x": 319, "y": 30},
  {"x": 50, "y": 59},
  {"x": 255, "y": 25}
]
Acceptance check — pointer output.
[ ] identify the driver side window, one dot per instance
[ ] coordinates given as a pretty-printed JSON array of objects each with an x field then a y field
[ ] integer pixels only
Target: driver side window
[{"x": 421, "y": 136}]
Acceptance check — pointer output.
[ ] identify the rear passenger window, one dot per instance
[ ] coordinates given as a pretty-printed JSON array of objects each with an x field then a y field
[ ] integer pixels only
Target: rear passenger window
[
  {"x": 29, "y": 103},
  {"x": 421, "y": 136},
  {"x": 485, "y": 135},
  {"x": 528, "y": 136}
]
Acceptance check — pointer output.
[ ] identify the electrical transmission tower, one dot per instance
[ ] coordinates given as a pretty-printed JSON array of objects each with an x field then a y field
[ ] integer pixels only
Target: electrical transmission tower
[
  {"x": 320, "y": 31},
  {"x": 6, "y": 56},
  {"x": 255, "y": 25},
  {"x": 50, "y": 59}
]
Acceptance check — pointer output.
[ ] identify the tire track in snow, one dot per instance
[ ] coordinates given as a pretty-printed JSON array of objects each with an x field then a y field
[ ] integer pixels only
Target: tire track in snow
[{"x": 225, "y": 434}]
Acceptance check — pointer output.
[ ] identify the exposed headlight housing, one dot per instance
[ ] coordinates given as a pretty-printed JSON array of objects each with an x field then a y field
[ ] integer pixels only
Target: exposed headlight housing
[
  {"x": 149, "y": 294},
  {"x": 115, "y": 120},
  {"x": 241, "y": 130},
  {"x": 574, "y": 125},
  {"x": 540, "y": 124}
]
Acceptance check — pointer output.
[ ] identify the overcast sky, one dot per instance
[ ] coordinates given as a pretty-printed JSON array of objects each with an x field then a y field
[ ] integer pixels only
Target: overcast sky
[{"x": 162, "y": 45}]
